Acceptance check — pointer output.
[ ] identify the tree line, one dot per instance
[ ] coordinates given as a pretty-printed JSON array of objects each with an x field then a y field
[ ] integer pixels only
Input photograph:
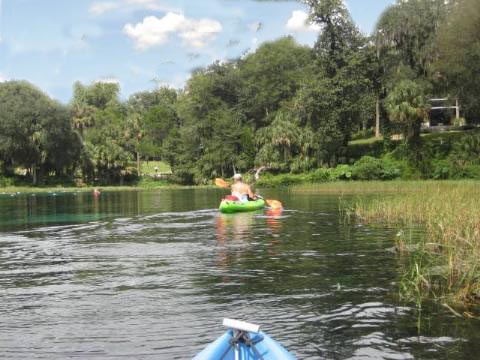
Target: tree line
[{"x": 288, "y": 107}]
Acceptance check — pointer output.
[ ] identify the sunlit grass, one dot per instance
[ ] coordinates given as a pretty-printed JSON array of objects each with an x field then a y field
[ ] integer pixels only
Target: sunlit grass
[
  {"x": 370, "y": 140},
  {"x": 363, "y": 187},
  {"x": 148, "y": 168},
  {"x": 142, "y": 185}
]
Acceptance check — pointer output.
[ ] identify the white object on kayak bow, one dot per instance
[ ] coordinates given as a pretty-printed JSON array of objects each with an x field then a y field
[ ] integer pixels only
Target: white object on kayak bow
[{"x": 241, "y": 325}]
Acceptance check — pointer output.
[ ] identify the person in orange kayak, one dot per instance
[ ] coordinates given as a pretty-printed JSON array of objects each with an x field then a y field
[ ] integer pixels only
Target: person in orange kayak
[{"x": 241, "y": 190}]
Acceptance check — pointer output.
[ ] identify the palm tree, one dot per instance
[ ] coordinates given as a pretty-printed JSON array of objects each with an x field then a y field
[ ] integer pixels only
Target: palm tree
[
  {"x": 83, "y": 116},
  {"x": 407, "y": 106},
  {"x": 136, "y": 132},
  {"x": 283, "y": 134}
]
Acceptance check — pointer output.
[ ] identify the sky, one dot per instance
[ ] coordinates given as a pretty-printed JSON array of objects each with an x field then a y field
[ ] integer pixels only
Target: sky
[{"x": 142, "y": 44}]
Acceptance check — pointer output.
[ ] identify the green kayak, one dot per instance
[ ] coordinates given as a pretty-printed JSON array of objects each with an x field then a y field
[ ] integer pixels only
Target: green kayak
[{"x": 229, "y": 206}]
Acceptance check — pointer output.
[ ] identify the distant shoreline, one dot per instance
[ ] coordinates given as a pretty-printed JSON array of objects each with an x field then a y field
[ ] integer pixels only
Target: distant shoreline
[{"x": 87, "y": 189}]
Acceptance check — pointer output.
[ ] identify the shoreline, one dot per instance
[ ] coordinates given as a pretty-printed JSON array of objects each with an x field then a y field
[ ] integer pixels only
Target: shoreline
[
  {"x": 86, "y": 189},
  {"x": 355, "y": 187}
]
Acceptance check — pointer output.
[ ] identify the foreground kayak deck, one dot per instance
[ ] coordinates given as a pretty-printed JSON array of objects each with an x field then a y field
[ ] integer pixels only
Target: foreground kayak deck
[
  {"x": 264, "y": 348},
  {"x": 229, "y": 206}
]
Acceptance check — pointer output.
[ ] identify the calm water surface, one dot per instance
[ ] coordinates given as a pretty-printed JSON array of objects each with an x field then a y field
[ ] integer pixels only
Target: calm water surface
[{"x": 150, "y": 275}]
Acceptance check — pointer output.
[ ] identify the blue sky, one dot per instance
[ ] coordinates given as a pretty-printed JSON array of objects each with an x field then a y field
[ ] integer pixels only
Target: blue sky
[{"x": 143, "y": 43}]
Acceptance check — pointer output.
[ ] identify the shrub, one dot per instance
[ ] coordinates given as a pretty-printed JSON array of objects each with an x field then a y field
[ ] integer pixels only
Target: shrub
[
  {"x": 269, "y": 180},
  {"x": 369, "y": 168},
  {"x": 466, "y": 172},
  {"x": 5, "y": 181},
  {"x": 320, "y": 175},
  {"x": 467, "y": 151},
  {"x": 301, "y": 165},
  {"x": 445, "y": 169},
  {"x": 341, "y": 172},
  {"x": 148, "y": 182},
  {"x": 441, "y": 170},
  {"x": 357, "y": 151}
]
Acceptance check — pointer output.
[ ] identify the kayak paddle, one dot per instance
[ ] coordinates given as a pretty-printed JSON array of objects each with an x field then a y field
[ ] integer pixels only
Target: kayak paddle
[
  {"x": 221, "y": 183},
  {"x": 274, "y": 204}
]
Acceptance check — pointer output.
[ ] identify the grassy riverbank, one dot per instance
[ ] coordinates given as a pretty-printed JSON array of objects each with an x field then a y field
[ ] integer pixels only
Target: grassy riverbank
[
  {"x": 442, "y": 265},
  {"x": 143, "y": 184}
]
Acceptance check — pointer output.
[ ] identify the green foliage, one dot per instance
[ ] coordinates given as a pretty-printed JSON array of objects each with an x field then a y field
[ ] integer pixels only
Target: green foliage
[
  {"x": 97, "y": 95},
  {"x": 269, "y": 77},
  {"x": 148, "y": 168},
  {"x": 151, "y": 183},
  {"x": 279, "y": 142},
  {"x": 459, "y": 53},
  {"x": 157, "y": 123},
  {"x": 406, "y": 32},
  {"x": 320, "y": 175},
  {"x": 35, "y": 132},
  {"x": 106, "y": 157},
  {"x": 366, "y": 134},
  {"x": 341, "y": 172},
  {"x": 357, "y": 150},
  {"x": 369, "y": 168},
  {"x": 286, "y": 106},
  {"x": 407, "y": 106},
  {"x": 6, "y": 181},
  {"x": 442, "y": 170},
  {"x": 467, "y": 151}
]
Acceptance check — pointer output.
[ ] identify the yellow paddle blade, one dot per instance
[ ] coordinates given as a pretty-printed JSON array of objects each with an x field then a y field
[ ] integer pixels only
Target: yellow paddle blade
[
  {"x": 274, "y": 204},
  {"x": 221, "y": 183}
]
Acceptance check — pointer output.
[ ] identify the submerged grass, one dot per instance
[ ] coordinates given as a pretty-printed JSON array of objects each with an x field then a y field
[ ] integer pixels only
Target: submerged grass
[{"x": 444, "y": 264}]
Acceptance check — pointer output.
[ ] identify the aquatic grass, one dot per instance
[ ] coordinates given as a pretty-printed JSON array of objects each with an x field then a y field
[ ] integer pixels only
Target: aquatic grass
[
  {"x": 361, "y": 187},
  {"x": 444, "y": 265}
]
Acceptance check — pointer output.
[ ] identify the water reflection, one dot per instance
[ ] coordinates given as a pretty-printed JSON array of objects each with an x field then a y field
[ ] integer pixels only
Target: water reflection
[{"x": 234, "y": 226}]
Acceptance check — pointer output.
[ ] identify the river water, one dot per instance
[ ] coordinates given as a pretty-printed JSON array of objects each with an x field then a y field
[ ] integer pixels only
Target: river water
[{"x": 150, "y": 275}]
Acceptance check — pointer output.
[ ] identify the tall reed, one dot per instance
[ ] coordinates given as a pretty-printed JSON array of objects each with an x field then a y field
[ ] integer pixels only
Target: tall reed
[{"x": 444, "y": 264}]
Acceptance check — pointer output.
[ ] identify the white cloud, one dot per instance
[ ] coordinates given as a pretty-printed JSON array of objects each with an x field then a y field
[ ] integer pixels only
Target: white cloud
[
  {"x": 108, "y": 80},
  {"x": 154, "y": 31},
  {"x": 2, "y": 78},
  {"x": 299, "y": 22},
  {"x": 101, "y": 7},
  {"x": 146, "y": 4},
  {"x": 98, "y": 8}
]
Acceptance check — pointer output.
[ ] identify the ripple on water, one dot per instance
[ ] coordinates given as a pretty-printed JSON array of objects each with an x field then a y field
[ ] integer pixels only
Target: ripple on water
[{"x": 156, "y": 285}]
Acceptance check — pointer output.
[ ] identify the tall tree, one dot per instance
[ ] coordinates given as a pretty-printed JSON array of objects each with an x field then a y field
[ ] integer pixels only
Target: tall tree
[
  {"x": 107, "y": 156},
  {"x": 269, "y": 77},
  {"x": 145, "y": 117},
  {"x": 333, "y": 99},
  {"x": 406, "y": 32},
  {"x": 459, "y": 49},
  {"x": 35, "y": 131}
]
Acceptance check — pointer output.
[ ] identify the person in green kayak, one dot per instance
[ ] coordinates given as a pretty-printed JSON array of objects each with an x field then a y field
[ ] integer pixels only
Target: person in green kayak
[{"x": 241, "y": 190}]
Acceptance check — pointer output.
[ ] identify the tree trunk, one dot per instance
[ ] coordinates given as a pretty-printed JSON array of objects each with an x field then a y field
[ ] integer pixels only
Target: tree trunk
[
  {"x": 34, "y": 175},
  {"x": 138, "y": 163},
  {"x": 377, "y": 118}
]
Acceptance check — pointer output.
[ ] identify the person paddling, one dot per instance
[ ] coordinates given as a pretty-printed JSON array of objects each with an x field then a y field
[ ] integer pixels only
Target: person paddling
[{"x": 241, "y": 190}]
